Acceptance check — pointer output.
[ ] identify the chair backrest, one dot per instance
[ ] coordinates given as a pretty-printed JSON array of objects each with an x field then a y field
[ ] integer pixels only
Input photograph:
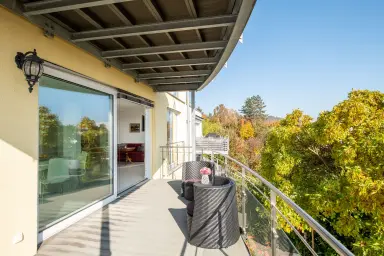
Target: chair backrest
[
  {"x": 191, "y": 170},
  {"x": 57, "y": 170}
]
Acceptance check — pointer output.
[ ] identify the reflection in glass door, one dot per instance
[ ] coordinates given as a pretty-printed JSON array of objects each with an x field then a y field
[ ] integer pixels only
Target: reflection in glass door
[{"x": 75, "y": 148}]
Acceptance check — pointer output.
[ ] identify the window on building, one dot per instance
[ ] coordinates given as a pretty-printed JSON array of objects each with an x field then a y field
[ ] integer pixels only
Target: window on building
[{"x": 171, "y": 126}]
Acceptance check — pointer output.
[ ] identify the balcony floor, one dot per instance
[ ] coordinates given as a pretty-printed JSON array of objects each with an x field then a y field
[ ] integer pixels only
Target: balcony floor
[{"x": 150, "y": 220}]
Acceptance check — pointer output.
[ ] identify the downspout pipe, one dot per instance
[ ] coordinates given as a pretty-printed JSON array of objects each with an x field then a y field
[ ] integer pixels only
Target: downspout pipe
[{"x": 193, "y": 125}]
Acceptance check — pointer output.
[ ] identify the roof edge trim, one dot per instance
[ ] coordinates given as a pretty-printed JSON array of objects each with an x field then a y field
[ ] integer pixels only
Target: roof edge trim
[{"x": 242, "y": 20}]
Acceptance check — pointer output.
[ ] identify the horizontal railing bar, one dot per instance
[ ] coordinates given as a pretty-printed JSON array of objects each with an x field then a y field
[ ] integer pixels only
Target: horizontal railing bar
[
  {"x": 296, "y": 231},
  {"x": 282, "y": 215},
  {"x": 175, "y": 142},
  {"x": 175, "y": 146},
  {"x": 328, "y": 237}
]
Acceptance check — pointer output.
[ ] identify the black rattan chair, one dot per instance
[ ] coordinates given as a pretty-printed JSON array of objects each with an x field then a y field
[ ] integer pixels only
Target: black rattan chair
[
  {"x": 213, "y": 217},
  {"x": 191, "y": 173}
]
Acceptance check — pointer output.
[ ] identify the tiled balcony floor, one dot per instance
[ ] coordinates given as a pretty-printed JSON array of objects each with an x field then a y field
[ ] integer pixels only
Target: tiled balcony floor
[{"x": 151, "y": 220}]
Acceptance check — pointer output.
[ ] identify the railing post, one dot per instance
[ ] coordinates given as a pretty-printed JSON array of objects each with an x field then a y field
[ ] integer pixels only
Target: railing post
[
  {"x": 243, "y": 201},
  {"x": 217, "y": 164},
  {"x": 162, "y": 163},
  {"x": 212, "y": 156},
  {"x": 225, "y": 167},
  {"x": 274, "y": 235}
]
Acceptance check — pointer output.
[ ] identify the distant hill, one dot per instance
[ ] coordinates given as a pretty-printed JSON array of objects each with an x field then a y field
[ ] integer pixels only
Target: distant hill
[{"x": 273, "y": 118}]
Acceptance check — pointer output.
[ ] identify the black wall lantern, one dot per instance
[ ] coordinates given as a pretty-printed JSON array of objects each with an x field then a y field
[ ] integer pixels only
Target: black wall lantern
[{"x": 31, "y": 65}]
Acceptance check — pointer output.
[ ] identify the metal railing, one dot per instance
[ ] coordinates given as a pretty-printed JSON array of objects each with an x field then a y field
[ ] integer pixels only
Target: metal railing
[
  {"x": 259, "y": 214},
  {"x": 173, "y": 155}
]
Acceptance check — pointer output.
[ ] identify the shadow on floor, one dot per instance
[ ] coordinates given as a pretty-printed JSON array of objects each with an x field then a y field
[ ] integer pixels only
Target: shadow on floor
[
  {"x": 180, "y": 217},
  {"x": 105, "y": 246},
  {"x": 176, "y": 186}
]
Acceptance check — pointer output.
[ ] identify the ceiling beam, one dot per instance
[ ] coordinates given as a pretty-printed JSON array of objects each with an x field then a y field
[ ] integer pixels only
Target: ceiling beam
[
  {"x": 170, "y": 63},
  {"x": 155, "y": 28},
  {"x": 50, "y": 6},
  {"x": 124, "y": 19},
  {"x": 176, "y": 87},
  {"x": 151, "y": 6},
  {"x": 96, "y": 24},
  {"x": 176, "y": 80},
  {"x": 174, "y": 74},
  {"x": 193, "y": 13},
  {"x": 175, "y": 48}
]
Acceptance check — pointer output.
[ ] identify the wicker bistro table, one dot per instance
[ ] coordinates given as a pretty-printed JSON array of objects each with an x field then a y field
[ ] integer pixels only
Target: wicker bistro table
[{"x": 212, "y": 217}]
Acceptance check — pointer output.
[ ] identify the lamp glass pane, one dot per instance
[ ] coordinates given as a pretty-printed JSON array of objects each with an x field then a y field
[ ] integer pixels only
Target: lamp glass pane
[{"x": 27, "y": 68}]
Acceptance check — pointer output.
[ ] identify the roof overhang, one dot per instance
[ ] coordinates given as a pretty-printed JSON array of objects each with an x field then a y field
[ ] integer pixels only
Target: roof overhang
[{"x": 169, "y": 45}]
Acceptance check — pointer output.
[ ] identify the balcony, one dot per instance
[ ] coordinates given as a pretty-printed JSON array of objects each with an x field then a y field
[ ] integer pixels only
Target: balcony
[{"x": 151, "y": 219}]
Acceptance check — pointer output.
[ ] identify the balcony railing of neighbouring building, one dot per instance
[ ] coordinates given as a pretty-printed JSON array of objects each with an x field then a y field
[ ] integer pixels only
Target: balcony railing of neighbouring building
[{"x": 205, "y": 145}]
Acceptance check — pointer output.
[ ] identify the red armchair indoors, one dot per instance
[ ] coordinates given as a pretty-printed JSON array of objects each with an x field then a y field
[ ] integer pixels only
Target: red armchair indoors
[{"x": 136, "y": 155}]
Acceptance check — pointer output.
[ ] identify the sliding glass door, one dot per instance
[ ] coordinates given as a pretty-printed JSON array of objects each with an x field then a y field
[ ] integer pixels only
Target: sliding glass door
[{"x": 75, "y": 148}]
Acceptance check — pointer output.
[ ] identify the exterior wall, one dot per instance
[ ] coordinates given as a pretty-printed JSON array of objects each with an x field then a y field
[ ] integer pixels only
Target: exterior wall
[
  {"x": 179, "y": 104},
  {"x": 19, "y": 126},
  {"x": 199, "y": 124}
]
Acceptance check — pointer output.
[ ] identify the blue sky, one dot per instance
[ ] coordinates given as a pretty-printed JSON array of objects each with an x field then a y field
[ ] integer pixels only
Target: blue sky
[{"x": 305, "y": 54}]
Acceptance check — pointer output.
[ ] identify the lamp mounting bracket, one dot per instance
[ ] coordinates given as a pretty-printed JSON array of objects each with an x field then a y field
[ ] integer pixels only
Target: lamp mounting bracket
[{"x": 49, "y": 30}]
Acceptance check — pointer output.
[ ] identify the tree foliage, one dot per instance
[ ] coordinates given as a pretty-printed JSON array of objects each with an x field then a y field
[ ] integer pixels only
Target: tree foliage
[
  {"x": 333, "y": 168},
  {"x": 212, "y": 127},
  {"x": 226, "y": 117},
  {"x": 254, "y": 108},
  {"x": 246, "y": 137},
  {"x": 246, "y": 130}
]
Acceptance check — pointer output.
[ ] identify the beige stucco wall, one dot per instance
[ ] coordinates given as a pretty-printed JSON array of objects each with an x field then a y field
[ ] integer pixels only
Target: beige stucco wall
[
  {"x": 19, "y": 122},
  {"x": 165, "y": 101}
]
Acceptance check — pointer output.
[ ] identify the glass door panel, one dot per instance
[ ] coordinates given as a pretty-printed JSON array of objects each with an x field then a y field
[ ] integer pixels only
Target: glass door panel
[{"x": 75, "y": 148}]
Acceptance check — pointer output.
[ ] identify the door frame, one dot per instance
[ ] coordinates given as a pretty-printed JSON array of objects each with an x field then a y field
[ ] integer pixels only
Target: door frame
[
  {"x": 66, "y": 221},
  {"x": 148, "y": 112}
]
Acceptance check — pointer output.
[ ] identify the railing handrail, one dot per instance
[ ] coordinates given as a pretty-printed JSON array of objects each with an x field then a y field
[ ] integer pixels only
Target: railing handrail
[
  {"x": 328, "y": 237},
  {"x": 175, "y": 142},
  {"x": 175, "y": 146}
]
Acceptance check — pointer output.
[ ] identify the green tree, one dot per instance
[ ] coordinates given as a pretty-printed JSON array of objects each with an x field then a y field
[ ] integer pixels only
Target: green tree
[
  {"x": 212, "y": 127},
  {"x": 49, "y": 129},
  {"x": 333, "y": 168},
  {"x": 254, "y": 109}
]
